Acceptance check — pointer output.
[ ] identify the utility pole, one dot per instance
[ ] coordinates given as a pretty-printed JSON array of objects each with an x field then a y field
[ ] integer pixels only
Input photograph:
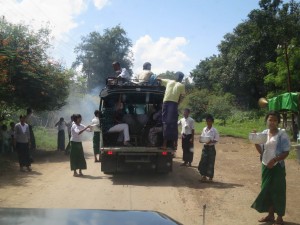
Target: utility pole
[{"x": 288, "y": 66}]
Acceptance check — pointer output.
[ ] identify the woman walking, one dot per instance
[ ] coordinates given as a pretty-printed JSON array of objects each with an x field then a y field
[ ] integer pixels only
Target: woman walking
[
  {"x": 207, "y": 163},
  {"x": 272, "y": 197},
  {"x": 77, "y": 159},
  {"x": 22, "y": 143}
]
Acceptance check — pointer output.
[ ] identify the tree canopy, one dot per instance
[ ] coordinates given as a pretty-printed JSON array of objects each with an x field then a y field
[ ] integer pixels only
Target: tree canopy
[
  {"x": 28, "y": 76},
  {"x": 240, "y": 67},
  {"x": 97, "y": 52}
]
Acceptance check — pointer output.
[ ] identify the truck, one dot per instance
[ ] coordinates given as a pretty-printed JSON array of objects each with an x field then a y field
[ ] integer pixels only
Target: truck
[{"x": 140, "y": 155}]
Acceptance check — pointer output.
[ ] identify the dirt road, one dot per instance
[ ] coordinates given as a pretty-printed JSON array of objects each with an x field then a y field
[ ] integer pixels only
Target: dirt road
[{"x": 178, "y": 194}]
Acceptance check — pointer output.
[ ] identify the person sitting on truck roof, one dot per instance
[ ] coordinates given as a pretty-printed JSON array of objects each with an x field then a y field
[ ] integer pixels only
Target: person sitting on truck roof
[{"x": 121, "y": 73}]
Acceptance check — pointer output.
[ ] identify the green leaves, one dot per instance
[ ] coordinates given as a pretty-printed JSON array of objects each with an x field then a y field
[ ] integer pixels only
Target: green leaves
[
  {"x": 97, "y": 52},
  {"x": 242, "y": 67},
  {"x": 27, "y": 75}
]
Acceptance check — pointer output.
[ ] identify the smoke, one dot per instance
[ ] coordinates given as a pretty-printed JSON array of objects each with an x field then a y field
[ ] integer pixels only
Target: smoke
[{"x": 83, "y": 104}]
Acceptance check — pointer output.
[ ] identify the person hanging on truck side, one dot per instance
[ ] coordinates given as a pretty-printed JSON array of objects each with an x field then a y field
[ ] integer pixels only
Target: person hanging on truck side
[
  {"x": 173, "y": 95},
  {"x": 112, "y": 122}
]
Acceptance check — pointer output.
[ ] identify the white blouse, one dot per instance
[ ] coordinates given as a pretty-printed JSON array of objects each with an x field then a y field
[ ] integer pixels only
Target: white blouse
[
  {"x": 269, "y": 150},
  {"x": 187, "y": 125},
  {"x": 75, "y": 129},
  {"x": 212, "y": 132}
]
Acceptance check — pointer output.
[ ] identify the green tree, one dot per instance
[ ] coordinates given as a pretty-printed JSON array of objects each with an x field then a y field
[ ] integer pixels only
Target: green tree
[
  {"x": 240, "y": 67},
  {"x": 287, "y": 65},
  {"x": 28, "y": 77},
  {"x": 96, "y": 53}
]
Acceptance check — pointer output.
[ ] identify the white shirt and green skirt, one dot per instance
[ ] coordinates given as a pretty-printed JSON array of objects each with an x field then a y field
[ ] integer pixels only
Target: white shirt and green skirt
[
  {"x": 273, "y": 185},
  {"x": 77, "y": 160}
]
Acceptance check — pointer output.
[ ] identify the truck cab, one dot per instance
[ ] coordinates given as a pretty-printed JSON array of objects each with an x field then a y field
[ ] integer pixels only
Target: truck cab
[{"x": 139, "y": 104}]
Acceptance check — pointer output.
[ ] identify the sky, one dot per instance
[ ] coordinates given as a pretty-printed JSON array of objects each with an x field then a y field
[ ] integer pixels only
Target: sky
[{"x": 172, "y": 35}]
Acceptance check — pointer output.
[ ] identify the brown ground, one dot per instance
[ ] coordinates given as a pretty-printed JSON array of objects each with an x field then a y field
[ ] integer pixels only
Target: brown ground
[{"x": 178, "y": 194}]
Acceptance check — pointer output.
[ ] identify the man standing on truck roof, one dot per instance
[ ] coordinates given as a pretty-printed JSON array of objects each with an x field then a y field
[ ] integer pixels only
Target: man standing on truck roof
[
  {"x": 122, "y": 73},
  {"x": 173, "y": 94}
]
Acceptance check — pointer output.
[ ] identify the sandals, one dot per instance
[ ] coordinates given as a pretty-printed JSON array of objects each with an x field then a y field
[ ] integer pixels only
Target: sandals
[{"x": 267, "y": 219}]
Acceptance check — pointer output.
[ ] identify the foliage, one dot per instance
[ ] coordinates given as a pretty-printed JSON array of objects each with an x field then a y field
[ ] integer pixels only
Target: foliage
[
  {"x": 278, "y": 71},
  {"x": 28, "y": 77},
  {"x": 96, "y": 53},
  {"x": 240, "y": 67},
  {"x": 220, "y": 106},
  {"x": 201, "y": 102}
]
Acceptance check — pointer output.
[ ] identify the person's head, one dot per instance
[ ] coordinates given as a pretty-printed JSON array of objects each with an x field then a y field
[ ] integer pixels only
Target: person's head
[
  {"x": 147, "y": 66},
  {"x": 96, "y": 113},
  {"x": 272, "y": 119},
  {"x": 29, "y": 111},
  {"x": 22, "y": 118},
  {"x": 61, "y": 119},
  {"x": 209, "y": 120},
  {"x": 179, "y": 76},
  {"x": 116, "y": 66},
  {"x": 77, "y": 118},
  {"x": 186, "y": 112}
]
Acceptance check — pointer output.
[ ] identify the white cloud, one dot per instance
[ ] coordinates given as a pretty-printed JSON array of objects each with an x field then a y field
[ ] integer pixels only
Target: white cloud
[
  {"x": 101, "y": 3},
  {"x": 164, "y": 54},
  {"x": 59, "y": 13}
]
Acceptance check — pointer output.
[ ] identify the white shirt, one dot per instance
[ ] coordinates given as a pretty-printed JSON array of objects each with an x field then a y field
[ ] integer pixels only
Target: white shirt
[
  {"x": 270, "y": 149},
  {"x": 212, "y": 132},
  {"x": 75, "y": 129},
  {"x": 96, "y": 124},
  {"x": 187, "y": 125},
  {"x": 124, "y": 74},
  {"x": 61, "y": 126},
  {"x": 95, "y": 121}
]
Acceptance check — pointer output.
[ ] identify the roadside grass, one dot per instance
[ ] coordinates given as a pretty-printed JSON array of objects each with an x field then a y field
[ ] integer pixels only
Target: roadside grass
[
  {"x": 45, "y": 138},
  {"x": 234, "y": 129}
]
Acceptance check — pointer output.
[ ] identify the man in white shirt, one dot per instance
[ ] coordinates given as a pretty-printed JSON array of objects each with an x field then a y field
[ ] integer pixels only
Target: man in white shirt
[
  {"x": 122, "y": 73},
  {"x": 187, "y": 134}
]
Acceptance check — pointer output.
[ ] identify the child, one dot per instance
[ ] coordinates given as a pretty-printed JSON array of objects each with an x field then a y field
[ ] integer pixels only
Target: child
[{"x": 207, "y": 162}]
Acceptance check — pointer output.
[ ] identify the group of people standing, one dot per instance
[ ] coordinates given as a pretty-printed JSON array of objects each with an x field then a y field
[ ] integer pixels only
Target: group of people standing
[
  {"x": 207, "y": 161},
  {"x": 20, "y": 139}
]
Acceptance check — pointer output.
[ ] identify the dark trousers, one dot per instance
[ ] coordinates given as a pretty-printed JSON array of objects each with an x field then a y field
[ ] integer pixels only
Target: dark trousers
[
  {"x": 206, "y": 165},
  {"x": 169, "y": 119},
  {"x": 32, "y": 138},
  {"x": 186, "y": 147},
  {"x": 61, "y": 140},
  {"x": 23, "y": 154}
]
